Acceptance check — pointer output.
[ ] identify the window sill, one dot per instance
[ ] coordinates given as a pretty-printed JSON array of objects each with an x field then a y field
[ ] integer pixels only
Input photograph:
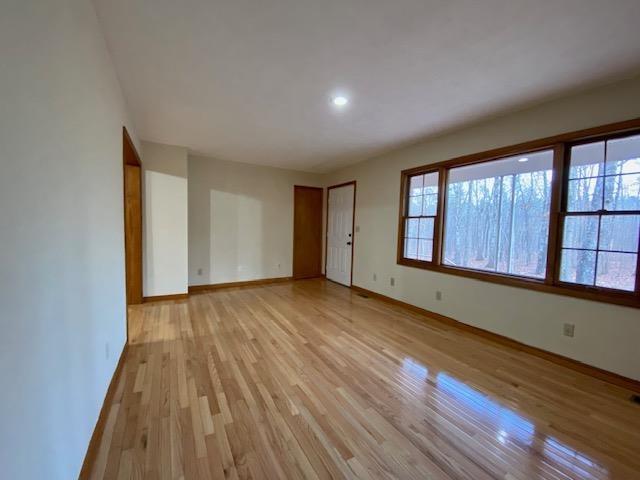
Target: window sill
[{"x": 576, "y": 291}]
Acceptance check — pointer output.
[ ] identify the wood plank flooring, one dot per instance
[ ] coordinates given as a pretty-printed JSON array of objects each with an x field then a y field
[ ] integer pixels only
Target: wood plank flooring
[{"x": 309, "y": 380}]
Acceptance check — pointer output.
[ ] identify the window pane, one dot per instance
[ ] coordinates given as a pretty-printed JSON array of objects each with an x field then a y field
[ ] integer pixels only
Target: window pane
[
  {"x": 619, "y": 233},
  {"x": 425, "y": 250},
  {"x": 411, "y": 248},
  {"x": 587, "y": 160},
  {"x": 426, "y": 228},
  {"x": 617, "y": 270},
  {"x": 623, "y": 155},
  {"x": 580, "y": 232},
  {"x": 430, "y": 183},
  {"x": 429, "y": 204},
  {"x": 497, "y": 215},
  {"x": 411, "y": 229},
  {"x": 415, "y": 185},
  {"x": 578, "y": 266},
  {"x": 622, "y": 192},
  {"x": 415, "y": 206},
  {"x": 585, "y": 195},
  {"x": 505, "y": 238}
]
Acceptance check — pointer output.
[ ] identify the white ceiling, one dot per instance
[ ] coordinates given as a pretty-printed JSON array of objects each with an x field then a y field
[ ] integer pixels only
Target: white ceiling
[{"x": 250, "y": 80}]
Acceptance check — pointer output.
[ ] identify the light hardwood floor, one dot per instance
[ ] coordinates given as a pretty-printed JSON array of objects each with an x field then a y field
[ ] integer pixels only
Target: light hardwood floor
[{"x": 309, "y": 380}]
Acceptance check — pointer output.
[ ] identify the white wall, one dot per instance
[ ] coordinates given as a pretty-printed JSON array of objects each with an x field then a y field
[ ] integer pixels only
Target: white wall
[
  {"x": 240, "y": 220},
  {"x": 62, "y": 291},
  {"x": 165, "y": 230},
  {"x": 606, "y": 336}
]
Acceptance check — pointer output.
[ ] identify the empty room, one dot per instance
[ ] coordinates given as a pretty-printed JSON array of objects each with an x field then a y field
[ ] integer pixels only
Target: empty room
[{"x": 319, "y": 239}]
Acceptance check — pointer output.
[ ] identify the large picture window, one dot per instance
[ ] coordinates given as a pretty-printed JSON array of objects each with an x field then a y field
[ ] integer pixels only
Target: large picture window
[
  {"x": 559, "y": 215},
  {"x": 497, "y": 215}
]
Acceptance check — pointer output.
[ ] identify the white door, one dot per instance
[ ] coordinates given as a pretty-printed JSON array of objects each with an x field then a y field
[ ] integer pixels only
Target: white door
[{"x": 340, "y": 234}]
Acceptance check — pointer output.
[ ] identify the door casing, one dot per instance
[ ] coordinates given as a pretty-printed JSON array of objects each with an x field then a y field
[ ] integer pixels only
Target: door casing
[{"x": 132, "y": 187}]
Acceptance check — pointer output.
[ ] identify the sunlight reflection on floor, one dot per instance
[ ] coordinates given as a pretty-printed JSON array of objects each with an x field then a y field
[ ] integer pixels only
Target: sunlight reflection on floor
[{"x": 512, "y": 430}]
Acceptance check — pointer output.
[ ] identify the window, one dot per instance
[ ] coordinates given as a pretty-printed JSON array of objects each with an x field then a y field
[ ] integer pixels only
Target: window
[
  {"x": 420, "y": 215},
  {"x": 560, "y": 215},
  {"x": 497, "y": 215},
  {"x": 602, "y": 215}
]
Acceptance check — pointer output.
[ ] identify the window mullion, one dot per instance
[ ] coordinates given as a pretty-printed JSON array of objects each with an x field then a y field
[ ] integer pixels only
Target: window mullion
[
  {"x": 558, "y": 201},
  {"x": 404, "y": 191},
  {"x": 438, "y": 229}
]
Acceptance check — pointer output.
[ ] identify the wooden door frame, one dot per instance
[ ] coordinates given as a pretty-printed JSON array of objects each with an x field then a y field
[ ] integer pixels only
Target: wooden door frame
[
  {"x": 353, "y": 228},
  {"x": 294, "y": 233},
  {"x": 129, "y": 160}
]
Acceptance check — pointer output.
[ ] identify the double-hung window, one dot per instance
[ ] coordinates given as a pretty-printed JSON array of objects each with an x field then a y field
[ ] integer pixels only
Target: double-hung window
[
  {"x": 420, "y": 214},
  {"x": 601, "y": 214},
  {"x": 560, "y": 215}
]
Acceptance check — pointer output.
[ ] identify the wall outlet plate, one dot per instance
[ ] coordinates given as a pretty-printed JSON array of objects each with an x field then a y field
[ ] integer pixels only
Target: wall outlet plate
[
  {"x": 568, "y": 329},
  {"x": 392, "y": 281},
  {"x": 438, "y": 295}
]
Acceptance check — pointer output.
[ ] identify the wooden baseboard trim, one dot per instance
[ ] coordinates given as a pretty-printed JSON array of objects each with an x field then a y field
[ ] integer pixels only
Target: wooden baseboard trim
[
  {"x": 163, "y": 298},
  {"x": 605, "y": 375},
  {"x": 308, "y": 277},
  {"x": 247, "y": 283},
  {"x": 94, "y": 443}
]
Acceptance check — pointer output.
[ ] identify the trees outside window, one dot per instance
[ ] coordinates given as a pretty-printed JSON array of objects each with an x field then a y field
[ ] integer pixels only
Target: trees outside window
[
  {"x": 419, "y": 221},
  {"x": 497, "y": 215},
  {"x": 602, "y": 215},
  {"x": 560, "y": 215}
]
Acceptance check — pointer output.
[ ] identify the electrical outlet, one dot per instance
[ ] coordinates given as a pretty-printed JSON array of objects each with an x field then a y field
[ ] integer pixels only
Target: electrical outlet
[
  {"x": 279, "y": 266},
  {"x": 375, "y": 277},
  {"x": 392, "y": 281},
  {"x": 438, "y": 295},
  {"x": 199, "y": 271},
  {"x": 357, "y": 228},
  {"x": 568, "y": 329}
]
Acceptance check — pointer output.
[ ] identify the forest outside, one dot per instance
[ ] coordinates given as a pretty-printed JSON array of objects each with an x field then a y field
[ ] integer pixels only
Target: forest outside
[
  {"x": 601, "y": 224},
  {"x": 497, "y": 215}
]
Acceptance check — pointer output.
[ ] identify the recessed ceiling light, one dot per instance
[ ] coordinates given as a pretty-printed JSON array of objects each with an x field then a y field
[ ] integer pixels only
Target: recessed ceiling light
[
  {"x": 523, "y": 159},
  {"x": 339, "y": 100}
]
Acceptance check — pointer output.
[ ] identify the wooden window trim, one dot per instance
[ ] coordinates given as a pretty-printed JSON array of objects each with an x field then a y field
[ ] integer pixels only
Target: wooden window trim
[{"x": 561, "y": 145}]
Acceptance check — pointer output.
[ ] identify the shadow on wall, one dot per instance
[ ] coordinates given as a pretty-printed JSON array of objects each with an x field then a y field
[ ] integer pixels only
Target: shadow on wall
[
  {"x": 165, "y": 233},
  {"x": 235, "y": 237},
  {"x": 249, "y": 237},
  {"x": 147, "y": 239},
  {"x": 240, "y": 221}
]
